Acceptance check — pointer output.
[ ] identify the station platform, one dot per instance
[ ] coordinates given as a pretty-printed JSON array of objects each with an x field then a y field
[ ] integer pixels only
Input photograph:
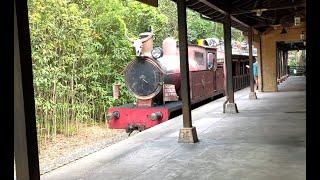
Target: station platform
[{"x": 265, "y": 140}]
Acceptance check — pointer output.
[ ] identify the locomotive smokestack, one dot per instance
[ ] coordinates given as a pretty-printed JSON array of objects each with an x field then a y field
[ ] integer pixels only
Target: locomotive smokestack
[{"x": 147, "y": 43}]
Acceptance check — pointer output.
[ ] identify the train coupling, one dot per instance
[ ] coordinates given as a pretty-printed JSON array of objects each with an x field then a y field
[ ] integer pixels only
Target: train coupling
[
  {"x": 114, "y": 115},
  {"x": 132, "y": 128}
]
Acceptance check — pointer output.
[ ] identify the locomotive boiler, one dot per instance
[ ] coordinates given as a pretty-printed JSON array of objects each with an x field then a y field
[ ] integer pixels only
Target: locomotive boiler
[{"x": 154, "y": 78}]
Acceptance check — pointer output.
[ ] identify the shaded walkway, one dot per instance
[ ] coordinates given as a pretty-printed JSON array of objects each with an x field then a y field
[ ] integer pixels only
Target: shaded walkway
[
  {"x": 296, "y": 83},
  {"x": 266, "y": 140}
]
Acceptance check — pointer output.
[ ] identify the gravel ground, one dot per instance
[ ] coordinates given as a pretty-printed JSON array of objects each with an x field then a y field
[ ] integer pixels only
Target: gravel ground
[
  {"x": 64, "y": 150},
  {"x": 79, "y": 153}
]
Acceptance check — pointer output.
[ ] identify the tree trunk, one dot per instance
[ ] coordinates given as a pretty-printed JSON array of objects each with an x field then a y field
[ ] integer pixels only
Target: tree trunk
[
  {"x": 54, "y": 99},
  {"x": 72, "y": 94}
]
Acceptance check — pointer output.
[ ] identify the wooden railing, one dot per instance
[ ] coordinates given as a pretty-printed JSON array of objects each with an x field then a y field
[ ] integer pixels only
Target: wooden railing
[
  {"x": 241, "y": 81},
  {"x": 297, "y": 70}
]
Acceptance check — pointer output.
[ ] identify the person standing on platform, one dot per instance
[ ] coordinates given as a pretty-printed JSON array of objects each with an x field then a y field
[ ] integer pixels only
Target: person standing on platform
[{"x": 255, "y": 72}]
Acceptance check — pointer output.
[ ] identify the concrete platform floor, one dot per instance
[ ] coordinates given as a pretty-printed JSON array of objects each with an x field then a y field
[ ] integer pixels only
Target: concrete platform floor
[{"x": 265, "y": 140}]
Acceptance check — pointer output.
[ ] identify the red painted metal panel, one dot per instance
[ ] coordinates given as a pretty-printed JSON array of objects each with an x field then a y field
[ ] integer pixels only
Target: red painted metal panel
[
  {"x": 137, "y": 116},
  {"x": 202, "y": 84},
  {"x": 196, "y": 84},
  {"x": 220, "y": 79}
]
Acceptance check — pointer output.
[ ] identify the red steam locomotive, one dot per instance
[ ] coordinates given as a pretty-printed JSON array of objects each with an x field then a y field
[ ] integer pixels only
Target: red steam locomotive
[{"x": 154, "y": 79}]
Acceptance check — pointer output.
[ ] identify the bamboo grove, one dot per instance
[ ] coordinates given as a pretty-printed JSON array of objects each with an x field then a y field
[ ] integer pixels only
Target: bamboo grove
[{"x": 79, "y": 50}]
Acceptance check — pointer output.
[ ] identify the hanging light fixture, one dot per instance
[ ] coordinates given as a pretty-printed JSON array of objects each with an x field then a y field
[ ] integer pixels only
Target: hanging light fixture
[
  {"x": 297, "y": 20},
  {"x": 259, "y": 12},
  {"x": 284, "y": 31},
  {"x": 302, "y": 36}
]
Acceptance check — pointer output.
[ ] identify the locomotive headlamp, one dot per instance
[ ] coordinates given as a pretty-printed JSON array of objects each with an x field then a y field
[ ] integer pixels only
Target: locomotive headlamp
[
  {"x": 156, "y": 116},
  {"x": 114, "y": 115},
  {"x": 157, "y": 52}
]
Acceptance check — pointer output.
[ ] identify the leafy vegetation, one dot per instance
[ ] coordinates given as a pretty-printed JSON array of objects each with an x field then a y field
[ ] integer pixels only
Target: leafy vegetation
[
  {"x": 297, "y": 58},
  {"x": 79, "y": 50}
]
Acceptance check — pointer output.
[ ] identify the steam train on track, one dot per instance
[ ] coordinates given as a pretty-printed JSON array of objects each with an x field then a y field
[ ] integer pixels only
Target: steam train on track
[{"x": 154, "y": 78}]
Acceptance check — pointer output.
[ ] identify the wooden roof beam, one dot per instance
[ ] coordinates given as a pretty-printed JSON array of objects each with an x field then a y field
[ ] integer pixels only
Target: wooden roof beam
[
  {"x": 240, "y": 22},
  {"x": 273, "y": 8},
  {"x": 213, "y": 6}
]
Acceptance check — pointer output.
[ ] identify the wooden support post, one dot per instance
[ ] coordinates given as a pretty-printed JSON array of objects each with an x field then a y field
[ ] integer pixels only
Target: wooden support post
[
  {"x": 188, "y": 133},
  {"x": 251, "y": 60},
  {"x": 231, "y": 107},
  {"x": 277, "y": 62},
  {"x": 286, "y": 64},
  {"x": 260, "y": 65},
  {"x": 252, "y": 94},
  {"x": 281, "y": 65},
  {"x": 25, "y": 132}
]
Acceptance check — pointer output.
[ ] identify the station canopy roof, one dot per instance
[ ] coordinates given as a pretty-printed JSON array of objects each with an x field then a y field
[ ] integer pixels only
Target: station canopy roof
[
  {"x": 289, "y": 46},
  {"x": 260, "y": 14}
]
